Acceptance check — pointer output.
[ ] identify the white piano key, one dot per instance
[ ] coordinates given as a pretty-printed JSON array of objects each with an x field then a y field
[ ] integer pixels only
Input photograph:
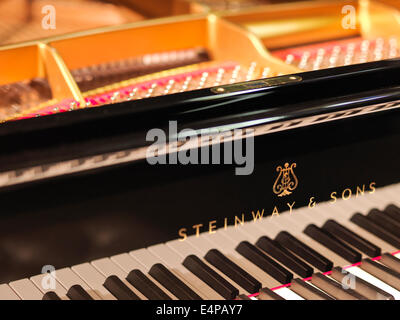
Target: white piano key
[
  {"x": 94, "y": 279},
  {"x": 183, "y": 248},
  {"x": 361, "y": 204},
  {"x": 58, "y": 289},
  {"x": 255, "y": 231},
  {"x": 6, "y": 293},
  {"x": 68, "y": 279},
  {"x": 200, "y": 243},
  {"x": 145, "y": 258},
  {"x": 174, "y": 262},
  {"x": 250, "y": 230},
  {"x": 108, "y": 268},
  {"x": 288, "y": 294},
  {"x": 375, "y": 281},
  {"x": 269, "y": 227},
  {"x": 314, "y": 217},
  {"x": 127, "y": 263},
  {"x": 302, "y": 218},
  {"x": 379, "y": 200},
  {"x": 389, "y": 194},
  {"x": 294, "y": 216},
  {"x": 26, "y": 290},
  {"x": 234, "y": 233},
  {"x": 221, "y": 241}
]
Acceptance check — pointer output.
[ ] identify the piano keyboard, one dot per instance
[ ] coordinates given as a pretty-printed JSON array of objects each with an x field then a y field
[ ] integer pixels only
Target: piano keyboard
[{"x": 348, "y": 250}]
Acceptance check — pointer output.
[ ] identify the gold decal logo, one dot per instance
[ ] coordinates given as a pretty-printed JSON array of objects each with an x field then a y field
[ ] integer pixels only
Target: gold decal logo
[
  {"x": 274, "y": 211},
  {"x": 286, "y": 181}
]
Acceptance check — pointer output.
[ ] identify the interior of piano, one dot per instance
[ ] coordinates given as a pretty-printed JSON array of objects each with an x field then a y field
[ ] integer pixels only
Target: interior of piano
[
  {"x": 187, "y": 52},
  {"x": 324, "y": 35}
]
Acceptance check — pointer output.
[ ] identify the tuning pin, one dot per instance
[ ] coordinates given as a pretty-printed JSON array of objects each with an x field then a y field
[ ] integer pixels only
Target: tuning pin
[
  {"x": 393, "y": 47},
  {"x": 304, "y": 60},
  {"x": 235, "y": 74},
  {"x": 333, "y": 59},
  {"x": 378, "y": 51},
  {"x": 151, "y": 90},
  {"x": 289, "y": 59},
  {"x": 203, "y": 80},
  {"x": 114, "y": 97},
  {"x": 266, "y": 72},
  {"x": 250, "y": 71},
  {"x": 186, "y": 83},
  {"x": 132, "y": 94},
  {"x": 349, "y": 54},
  {"x": 170, "y": 84},
  {"x": 319, "y": 59},
  {"x": 73, "y": 105}
]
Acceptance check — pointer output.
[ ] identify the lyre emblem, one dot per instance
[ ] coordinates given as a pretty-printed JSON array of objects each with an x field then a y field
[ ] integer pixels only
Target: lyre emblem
[{"x": 286, "y": 181}]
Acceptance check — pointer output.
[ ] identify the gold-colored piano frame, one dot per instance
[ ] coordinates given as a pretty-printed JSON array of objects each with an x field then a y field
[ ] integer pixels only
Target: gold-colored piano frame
[{"x": 245, "y": 36}]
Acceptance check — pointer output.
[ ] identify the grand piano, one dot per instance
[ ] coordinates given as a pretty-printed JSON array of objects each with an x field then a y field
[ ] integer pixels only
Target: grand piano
[{"x": 203, "y": 150}]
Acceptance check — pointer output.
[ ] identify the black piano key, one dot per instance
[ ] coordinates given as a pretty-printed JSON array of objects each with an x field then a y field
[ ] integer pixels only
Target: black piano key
[
  {"x": 233, "y": 271},
  {"x": 268, "y": 294},
  {"x": 304, "y": 251},
  {"x": 351, "y": 238},
  {"x": 264, "y": 262},
  {"x": 369, "y": 225},
  {"x": 242, "y": 297},
  {"x": 147, "y": 287},
  {"x": 210, "y": 277},
  {"x": 382, "y": 272},
  {"x": 332, "y": 243},
  {"x": 288, "y": 259},
  {"x": 393, "y": 211},
  {"x": 51, "y": 295},
  {"x": 385, "y": 221},
  {"x": 361, "y": 286},
  {"x": 390, "y": 261},
  {"x": 307, "y": 291},
  {"x": 76, "y": 292},
  {"x": 335, "y": 289},
  {"x": 172, "y": 283},
  {"x": 119, "y": 289}
]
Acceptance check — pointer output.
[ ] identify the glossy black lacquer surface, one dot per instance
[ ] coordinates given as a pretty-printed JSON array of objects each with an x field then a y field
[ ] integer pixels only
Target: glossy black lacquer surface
[
  {"x": 124, "y": 125},
  {"x": 78, "y": 218}
]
